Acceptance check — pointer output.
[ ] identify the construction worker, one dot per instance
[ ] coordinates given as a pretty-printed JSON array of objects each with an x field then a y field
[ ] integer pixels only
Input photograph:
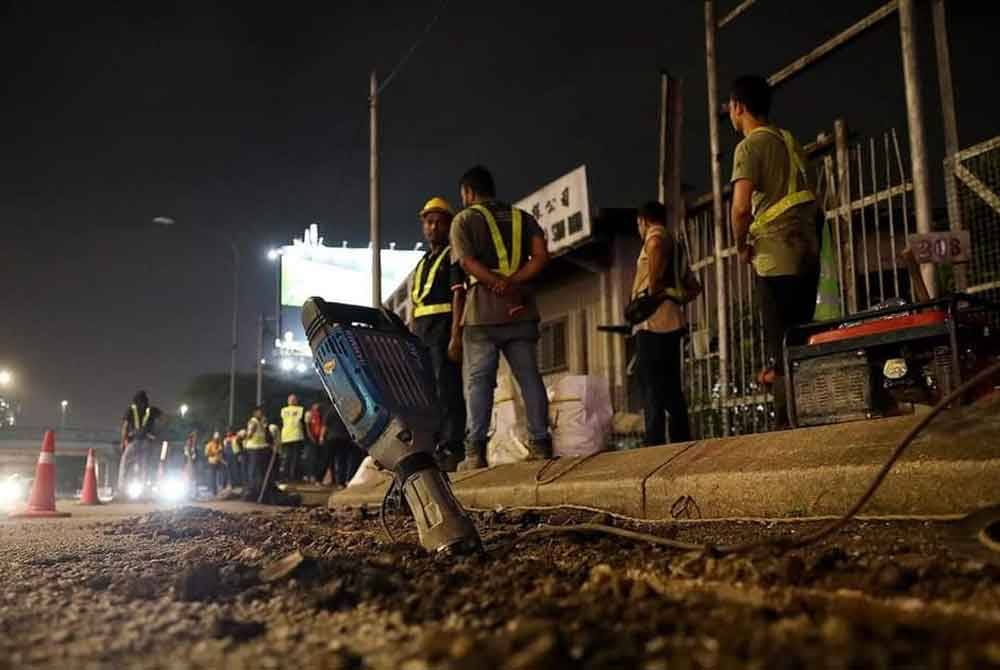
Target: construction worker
[
  {"x": 293, "y": 435},
  {"x": 257, "y": 450},
  {"x": 213, "y": 455},
  {"x": 773, "y": 220},
  {"x": 438, "y": 293},
  {"x": 662, "y": 270},
  {"x": 137, "y": 440},
  {"x": 501, "y": 249}
]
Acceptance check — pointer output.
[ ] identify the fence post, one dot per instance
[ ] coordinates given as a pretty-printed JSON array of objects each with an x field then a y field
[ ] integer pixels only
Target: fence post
[{"x": 719, "y": 219}]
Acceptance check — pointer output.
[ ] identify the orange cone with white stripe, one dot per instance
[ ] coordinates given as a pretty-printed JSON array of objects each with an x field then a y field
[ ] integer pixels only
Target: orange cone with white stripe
[
  {"x": 89, "y": 494},
  {"x": 42, "y": 502}
]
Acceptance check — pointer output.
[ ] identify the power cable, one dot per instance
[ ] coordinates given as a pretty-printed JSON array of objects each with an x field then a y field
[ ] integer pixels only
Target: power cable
[
  {"x": 413, "y": 48},
  {"x": 777, "y": 543}
]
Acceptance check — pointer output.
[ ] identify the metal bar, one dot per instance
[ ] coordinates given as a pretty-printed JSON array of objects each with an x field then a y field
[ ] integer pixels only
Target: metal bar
[
  {"x": 977, "y": 187},
  {"x": 977, "y": 149},
  {"x": 864, "y": 231},
  {"x": 878, "y": 223},
  {"x": 832, "y": 44},
  {"x": 915, "y": 124},
  {"x": 983, "y": 287},
  {"x": 906, "y": 207},
  {"x": 843, "y": 181},
  {"x": 713, "y": 131},
  {"x": 373, "y": 194},
  {"x": 947, "y": 90},
  {"x": 869, "y": 200},
  {"x": 892, "y": 223},
  {"x": 736, "y": 11}
]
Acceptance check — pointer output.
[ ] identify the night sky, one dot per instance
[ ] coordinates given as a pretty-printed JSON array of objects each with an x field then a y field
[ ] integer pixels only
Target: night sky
[{"x": 254, "y": 122}]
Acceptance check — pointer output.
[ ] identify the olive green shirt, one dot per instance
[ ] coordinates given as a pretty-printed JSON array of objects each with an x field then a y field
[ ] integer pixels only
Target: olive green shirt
[{"x": 790, "y": 245}]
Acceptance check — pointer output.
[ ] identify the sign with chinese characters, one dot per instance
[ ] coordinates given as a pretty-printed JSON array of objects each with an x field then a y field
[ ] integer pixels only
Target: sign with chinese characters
[
  {"x": 949, "y": 247},
  {"x": 562, "y": 209}
]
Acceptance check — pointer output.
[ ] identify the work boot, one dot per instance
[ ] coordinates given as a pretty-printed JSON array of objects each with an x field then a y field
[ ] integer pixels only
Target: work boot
[
  {"x": 448, "y": 456},
  {"x": 540, "y": 450},
  {"x": 475, "y": 456}
]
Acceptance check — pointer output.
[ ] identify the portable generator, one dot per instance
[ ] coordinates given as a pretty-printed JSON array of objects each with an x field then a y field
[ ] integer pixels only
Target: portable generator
[{"x": 872, "y": 363}]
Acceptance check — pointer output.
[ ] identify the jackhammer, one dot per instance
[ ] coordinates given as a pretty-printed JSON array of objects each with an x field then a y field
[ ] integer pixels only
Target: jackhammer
[{"x": 379, "y": 378}]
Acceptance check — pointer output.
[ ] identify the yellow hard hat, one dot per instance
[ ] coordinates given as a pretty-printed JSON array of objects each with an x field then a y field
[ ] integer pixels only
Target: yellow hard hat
[{"x": 437, "y": 205}]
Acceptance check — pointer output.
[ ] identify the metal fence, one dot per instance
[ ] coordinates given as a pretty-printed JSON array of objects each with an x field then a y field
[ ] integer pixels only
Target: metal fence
[
  {"x": 976, "y": 171},
  {"x": 865, "y": 195}
]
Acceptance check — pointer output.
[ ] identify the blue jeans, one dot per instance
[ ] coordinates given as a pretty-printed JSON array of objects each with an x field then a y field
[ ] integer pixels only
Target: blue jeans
[{"x": 481, "y": 347}]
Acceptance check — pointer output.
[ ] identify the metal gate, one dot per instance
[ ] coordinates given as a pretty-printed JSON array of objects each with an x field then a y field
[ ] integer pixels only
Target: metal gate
[{"x": 866, "y": 195}]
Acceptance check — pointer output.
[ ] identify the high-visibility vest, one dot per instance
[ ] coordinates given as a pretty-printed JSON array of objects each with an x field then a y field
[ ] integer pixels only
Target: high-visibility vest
[
  {"x": 139, "y": 424},
  {"x": 508, "y": 264},
  {"x": 421, "y": 288},
  {"x": 259, "y": 438},
  {"x": 794, "y": 196},
  {"x": 291, "y": 423}
]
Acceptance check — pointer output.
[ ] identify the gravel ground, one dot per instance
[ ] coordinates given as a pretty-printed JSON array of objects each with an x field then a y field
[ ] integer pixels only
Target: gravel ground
[{"x": 309, "y": 588}]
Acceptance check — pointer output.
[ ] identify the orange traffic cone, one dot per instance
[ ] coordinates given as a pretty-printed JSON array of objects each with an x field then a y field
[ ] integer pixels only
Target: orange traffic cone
[
  {"x": 89, "y": 494},
  {"x": 43, "y": 491}
]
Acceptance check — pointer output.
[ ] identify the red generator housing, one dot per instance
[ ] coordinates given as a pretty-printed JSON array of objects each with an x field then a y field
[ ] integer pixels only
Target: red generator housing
[{"x": 875, "y": 363}]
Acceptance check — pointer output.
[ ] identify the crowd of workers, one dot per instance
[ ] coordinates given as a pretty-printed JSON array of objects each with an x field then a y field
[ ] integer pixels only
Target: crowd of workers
[{"x": 472, "y": 301}]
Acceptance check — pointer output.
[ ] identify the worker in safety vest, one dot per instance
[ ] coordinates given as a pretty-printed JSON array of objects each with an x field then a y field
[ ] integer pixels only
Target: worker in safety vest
[
  {"x": 773, "y": 220},
  {"x": 439, "y": 292},
  {"x": 137, "y": 437},
  {"x": 293, "y": 436},
  {"x": 662, "y": 269},
  {"x": 501, "y": 249},
  {"x": 257, "y": 450}
]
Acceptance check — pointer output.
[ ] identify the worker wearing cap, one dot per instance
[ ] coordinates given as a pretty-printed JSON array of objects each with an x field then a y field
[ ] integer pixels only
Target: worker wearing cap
[
  {"x": 438, "y": 294},
  {"x": 773, "y": 219}
]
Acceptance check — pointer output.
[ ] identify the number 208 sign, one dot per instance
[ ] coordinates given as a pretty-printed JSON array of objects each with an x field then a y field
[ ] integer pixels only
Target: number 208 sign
[{"x": 949, "y": 247}]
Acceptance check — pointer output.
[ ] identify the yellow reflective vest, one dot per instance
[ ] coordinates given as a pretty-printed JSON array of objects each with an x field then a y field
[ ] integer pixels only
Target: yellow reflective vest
[
  {"x": 794, "y": 196},
  {"x": 508, "y": 263},
  {"x": 422, "y": 287},
  {"x": 291, "y": 424}
]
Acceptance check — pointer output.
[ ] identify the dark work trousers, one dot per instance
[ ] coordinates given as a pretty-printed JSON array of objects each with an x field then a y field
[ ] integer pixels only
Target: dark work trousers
[
  {"x": 293, "y": 465},
  {"x": 257, "y": 462},
  {"x": 321, "y": 460},
  {"x": 435, "y": 331},
  {"x": 346, "y": 459},
  {"x": 784, "y": 302},
  {"x": 658, "y": 362}
]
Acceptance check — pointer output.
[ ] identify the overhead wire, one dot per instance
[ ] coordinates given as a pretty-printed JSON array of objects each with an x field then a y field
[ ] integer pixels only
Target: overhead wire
[{"x": 413, "y": 48}]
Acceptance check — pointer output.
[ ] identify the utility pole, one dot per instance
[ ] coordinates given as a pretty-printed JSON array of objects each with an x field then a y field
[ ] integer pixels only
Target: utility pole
[
  {"x": 260, "y": 355},
  {"x": 373, "y": 191},
  {"x": 947, "y": 91},
  {"x": 915, "y": 124}
]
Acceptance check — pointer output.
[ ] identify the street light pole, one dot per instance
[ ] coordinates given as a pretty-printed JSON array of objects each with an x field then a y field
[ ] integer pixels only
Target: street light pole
[{"x": 167, "y": 221}]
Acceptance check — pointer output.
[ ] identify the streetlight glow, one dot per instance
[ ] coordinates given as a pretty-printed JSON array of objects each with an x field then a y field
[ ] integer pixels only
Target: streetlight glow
[
  {"x": 184, "y": 410},
  {"x": 272, "y": 254},
  {"x": 301, "y": 368},
  {"x": 64, "y": 404},
  {"x": 6, "y": 377},
  {"x": 164, "y": 221}
]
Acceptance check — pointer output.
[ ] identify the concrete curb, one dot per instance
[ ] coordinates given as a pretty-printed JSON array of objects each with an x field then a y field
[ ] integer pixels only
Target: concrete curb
[{"x": 952, "y": 468}]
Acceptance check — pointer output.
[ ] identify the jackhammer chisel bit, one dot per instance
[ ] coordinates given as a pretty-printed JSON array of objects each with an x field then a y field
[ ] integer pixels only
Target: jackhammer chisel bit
[{"x": 378, "y": 376}]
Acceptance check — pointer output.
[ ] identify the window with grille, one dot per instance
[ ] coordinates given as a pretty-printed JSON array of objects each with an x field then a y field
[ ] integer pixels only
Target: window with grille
[{"x": 552, "y": 355}]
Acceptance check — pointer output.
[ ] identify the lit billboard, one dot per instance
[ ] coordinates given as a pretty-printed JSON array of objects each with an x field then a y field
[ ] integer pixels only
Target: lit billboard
[{"x": 339, "y": 274}]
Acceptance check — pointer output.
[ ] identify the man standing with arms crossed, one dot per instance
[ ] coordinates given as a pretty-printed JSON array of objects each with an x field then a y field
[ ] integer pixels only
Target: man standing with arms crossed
[
  {"x": 438, "y": 295},
  {"x": 773, "y": 223},
  {"x": 501, "y": 249}
]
